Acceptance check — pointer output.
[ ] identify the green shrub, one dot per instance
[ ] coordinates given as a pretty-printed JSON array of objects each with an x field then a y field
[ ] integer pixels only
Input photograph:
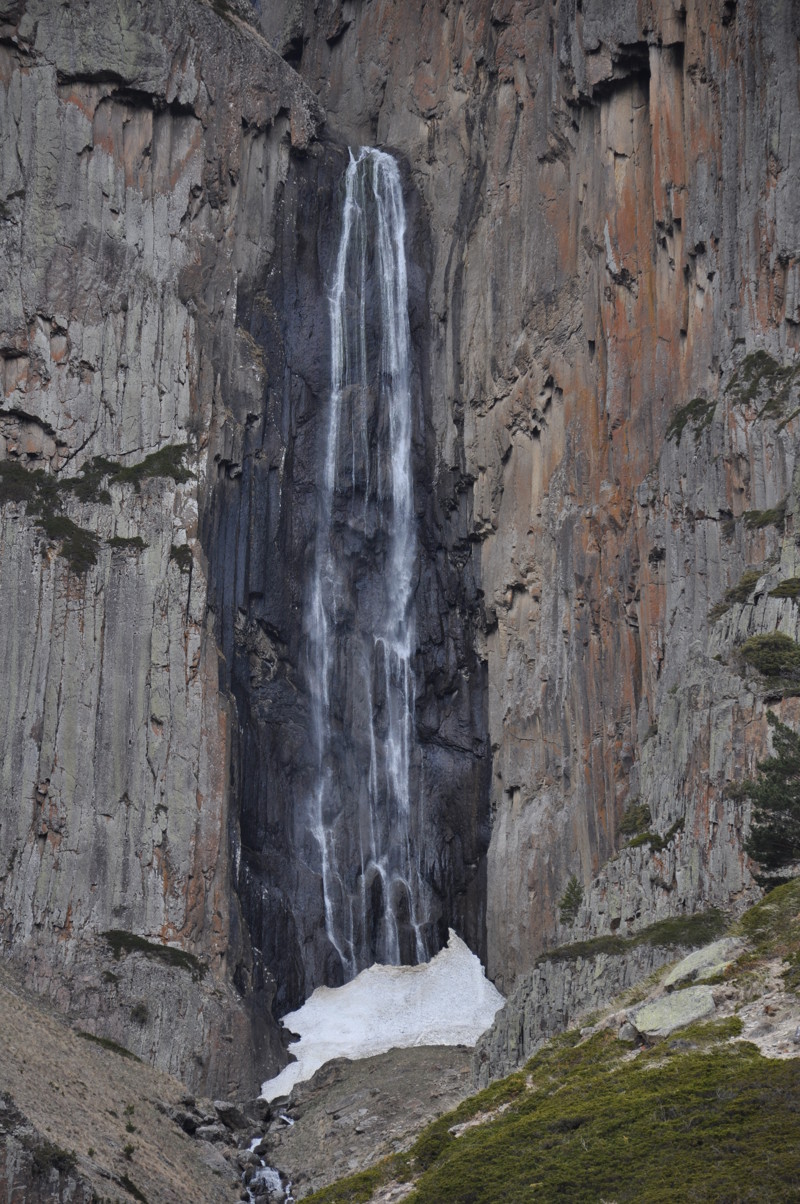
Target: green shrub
[
  {"x": 131, "y": 1187},
  {"x": 122, "y": 943},
  {"x": 107, "y": 1043},
  {"x": 656, "y": 842},
  {"x": 689, "y": 932},
  {"x": 788, "y": 588},
  {"x": 123, "y": 541},
  {"x": 699, "y": 412},
  {"x": 182, "y": 555},
  {"x": 774, "y": 839},
  {"x": 754, "y": 520},
  {"x": 48, "y": 1156},
  {"x": 694, "y": 1119},
  {"x": 760, "y": 374},
  {"x": 636, "y": 817},
  {"x": 737, "y": 593},
  {"x": 773, "y": 654}
]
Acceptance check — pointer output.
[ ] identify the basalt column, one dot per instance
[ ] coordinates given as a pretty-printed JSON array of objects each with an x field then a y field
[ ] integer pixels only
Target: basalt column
[{"x": 346, "y": 601}]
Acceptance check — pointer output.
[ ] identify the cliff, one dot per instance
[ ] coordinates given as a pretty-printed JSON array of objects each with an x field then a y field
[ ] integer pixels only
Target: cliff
[
  {"x": 603, "y": 282},
  {"x": 141, "y": 152},
  {"x": 613, "y": 232}
]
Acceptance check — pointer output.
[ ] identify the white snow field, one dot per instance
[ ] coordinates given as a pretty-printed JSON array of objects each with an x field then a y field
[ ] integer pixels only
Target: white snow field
[{"x": 447, "y": 1001}]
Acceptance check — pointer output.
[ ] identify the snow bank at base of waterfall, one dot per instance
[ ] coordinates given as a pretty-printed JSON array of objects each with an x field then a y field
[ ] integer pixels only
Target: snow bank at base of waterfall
[{"x": 446, "y": 1001}]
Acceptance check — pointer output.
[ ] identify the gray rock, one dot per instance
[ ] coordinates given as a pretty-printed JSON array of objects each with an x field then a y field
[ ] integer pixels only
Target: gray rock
[
  {"x": 671, "y": 1012},
  {"x": 704, "y": 963},
  {"x": 213, "y": 1133},
  {"x": 230, "y": 1114}
]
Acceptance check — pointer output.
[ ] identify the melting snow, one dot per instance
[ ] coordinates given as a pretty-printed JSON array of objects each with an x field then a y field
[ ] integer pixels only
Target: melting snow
[{"x": 447, "y": 1001}]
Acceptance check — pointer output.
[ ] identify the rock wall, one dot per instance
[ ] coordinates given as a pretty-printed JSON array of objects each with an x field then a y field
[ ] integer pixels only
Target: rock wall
[
  {"x": 613, "y": 230},
  {"x": 605, "y": 232},
  {"x": 142, "y": 152}
]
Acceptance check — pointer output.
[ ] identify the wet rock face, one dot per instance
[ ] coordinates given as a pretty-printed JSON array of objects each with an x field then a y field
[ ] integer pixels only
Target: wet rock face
[{"x": 260, "y": 534}]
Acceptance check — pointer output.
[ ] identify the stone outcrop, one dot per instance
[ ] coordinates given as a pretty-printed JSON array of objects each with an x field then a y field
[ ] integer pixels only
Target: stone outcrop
[
  {"x": 671, "y": 1012},
  {"x": 553, "y": 997},
  {"x": 33, "y": 1168}
]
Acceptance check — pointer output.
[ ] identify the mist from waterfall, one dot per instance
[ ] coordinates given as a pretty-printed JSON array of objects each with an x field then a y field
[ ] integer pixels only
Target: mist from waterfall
[{"x": 360, "y": 612}]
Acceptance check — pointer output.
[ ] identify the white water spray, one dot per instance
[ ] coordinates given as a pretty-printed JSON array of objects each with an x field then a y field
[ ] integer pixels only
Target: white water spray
[{"x": 360, "y": 616}]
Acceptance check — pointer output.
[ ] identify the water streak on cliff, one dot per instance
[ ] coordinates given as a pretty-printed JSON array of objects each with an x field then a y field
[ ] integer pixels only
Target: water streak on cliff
[{"x": 360, "y": 615}]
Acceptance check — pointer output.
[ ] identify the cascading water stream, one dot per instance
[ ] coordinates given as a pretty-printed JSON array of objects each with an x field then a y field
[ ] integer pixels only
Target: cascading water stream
[{"x": 360, "y": 615}]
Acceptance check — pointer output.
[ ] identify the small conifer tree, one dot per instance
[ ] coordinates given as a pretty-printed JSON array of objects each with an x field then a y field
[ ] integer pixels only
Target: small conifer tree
[
  {"x": 774, "y": 839},
  {"x": 570, "y": 902}
]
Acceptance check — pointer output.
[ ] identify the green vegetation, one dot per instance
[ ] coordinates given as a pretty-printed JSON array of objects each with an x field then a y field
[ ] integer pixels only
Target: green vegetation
[
  {"x": 122, "y": 541},
  {"x": 107, "y": 1043},
  {"x": 47, "y": 1156},
  {"x": 123, "y": 943},
  {"x": 773, "y": 654},
  {"x": 656, "y": 842},
  {"x": 131, "y": 1187},
  {"x": 760, "y": 374},
  {"x": 92, "y": 484},
  {"x": 676, "y": 932},
  {"x": 140, "y": 1012},
  {"x": 772, "y": 929},
  {"x": 182, "y": 555},
  {"x": 697, "y": 1117},
  {"x": 789, "y": 588},
  {"x": 755, "y": 520},
  {"x": 689, "y": 1120},
  {"x": 44, "y": 496},
  {"x": 636, "y": 818},
  {"x": 699, "y": 412},
  {"x": 570, "y": 902},
  {"x": 737, "y": 593},
  {"x": 774, "y": 839}
]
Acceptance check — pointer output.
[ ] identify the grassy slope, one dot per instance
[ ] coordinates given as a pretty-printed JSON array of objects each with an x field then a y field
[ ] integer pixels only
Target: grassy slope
[{"x": 695, "y": 1118}]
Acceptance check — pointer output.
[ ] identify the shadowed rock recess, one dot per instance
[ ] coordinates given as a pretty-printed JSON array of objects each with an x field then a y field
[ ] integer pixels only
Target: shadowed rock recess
[{"x": 603, "y": 262}]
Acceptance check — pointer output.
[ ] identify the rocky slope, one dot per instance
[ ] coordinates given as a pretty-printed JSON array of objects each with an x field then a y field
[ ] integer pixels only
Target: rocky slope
[{"x": 82, "y": 1120}]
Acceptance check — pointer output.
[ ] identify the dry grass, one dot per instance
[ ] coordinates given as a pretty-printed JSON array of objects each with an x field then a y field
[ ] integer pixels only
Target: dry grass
[{"x": 81, "y": 1096}]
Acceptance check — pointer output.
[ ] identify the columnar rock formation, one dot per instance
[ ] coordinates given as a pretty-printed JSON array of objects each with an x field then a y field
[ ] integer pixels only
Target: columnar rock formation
[{"x": 603, "y": 251}]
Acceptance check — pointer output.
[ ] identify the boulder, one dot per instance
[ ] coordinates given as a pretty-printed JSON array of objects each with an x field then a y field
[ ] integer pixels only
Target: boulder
[
  {"x": 212, "y": 1133},
  {"x": 708, "y": 962},
  {"x": 671, "y": 1012},
  {"x": 230, "y": 1114}
]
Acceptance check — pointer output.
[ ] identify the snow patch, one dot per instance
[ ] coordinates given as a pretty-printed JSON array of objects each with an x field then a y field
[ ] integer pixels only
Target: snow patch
[{"x": 446, "y": 1001}]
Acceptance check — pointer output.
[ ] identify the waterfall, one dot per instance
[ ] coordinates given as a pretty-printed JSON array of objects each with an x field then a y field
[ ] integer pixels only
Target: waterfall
[{"x": 360, "y": 610}]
